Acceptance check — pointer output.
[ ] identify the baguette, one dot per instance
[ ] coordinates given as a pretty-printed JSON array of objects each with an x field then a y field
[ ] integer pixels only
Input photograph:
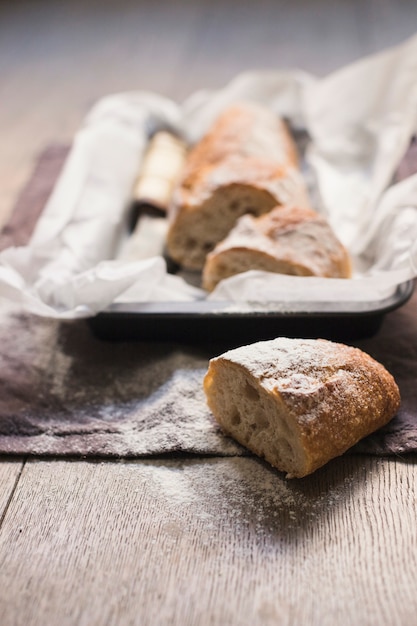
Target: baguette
[
  {"x": 299, "y": 402},
  {"x": 287, "y": 240},
  {"x": 247, "y": 163}
]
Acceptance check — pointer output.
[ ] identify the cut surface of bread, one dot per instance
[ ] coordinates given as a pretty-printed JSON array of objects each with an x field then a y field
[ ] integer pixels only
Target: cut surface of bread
[
  {"x": 246, "y": 163},
  {"x": 287, "y": 240},
  {"x": 298, "y": 403}
]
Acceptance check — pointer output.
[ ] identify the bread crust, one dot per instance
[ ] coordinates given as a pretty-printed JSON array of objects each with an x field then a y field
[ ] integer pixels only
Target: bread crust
[
  {"x": 298, "y": 403},
  {"x": 287, "y": 240},
  {"x": 247, "y": 163}
]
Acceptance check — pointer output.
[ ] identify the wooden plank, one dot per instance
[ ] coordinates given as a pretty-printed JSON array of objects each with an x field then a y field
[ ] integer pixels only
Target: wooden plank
[
  {"x": 10, "y": 470},
  {"x": 210, "y": 541},
  {"x": 237, "y": 36}
]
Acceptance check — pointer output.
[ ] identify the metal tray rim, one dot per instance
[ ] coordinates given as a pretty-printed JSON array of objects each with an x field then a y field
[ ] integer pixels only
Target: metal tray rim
[{"x": 217, "y": 309}]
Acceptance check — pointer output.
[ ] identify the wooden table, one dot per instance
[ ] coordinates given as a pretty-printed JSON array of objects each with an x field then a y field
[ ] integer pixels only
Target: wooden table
[{"x": 190, "y": 541}]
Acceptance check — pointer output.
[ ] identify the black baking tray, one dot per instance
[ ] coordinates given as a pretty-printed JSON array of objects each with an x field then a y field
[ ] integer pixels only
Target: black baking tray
[{"x": 207, "y": 322}]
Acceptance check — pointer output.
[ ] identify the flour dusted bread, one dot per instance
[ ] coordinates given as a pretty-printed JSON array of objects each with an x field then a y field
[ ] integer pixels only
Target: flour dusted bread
[
  {"x": 299, "y": 402},
  {"x": 246, "y": 163},
  {"x": 287, "y": 240}
]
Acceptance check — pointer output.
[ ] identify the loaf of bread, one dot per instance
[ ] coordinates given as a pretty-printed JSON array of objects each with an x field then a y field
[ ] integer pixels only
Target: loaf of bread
[
  {"x": 299, "y": 402},
  {"x": 246, "y": 163},
  {"x": 287, "y": 240}
]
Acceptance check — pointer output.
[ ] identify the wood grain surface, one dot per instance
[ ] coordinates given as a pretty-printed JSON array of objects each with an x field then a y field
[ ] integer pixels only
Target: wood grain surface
[
  {"x": 210, "y": 541},
  {"x": 190, "y": 541},
  {"x": 10, "y": 470}
]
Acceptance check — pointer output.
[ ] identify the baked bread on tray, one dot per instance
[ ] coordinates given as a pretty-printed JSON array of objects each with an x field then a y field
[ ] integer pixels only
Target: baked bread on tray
[
  {"x": 287, "y": 240},
  {"x": 246, "y": 163},
  {"x": 299, "y": 402}
]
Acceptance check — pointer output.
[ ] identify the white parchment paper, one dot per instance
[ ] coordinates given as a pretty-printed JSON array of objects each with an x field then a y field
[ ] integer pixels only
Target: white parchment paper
[{"x": 359, "y": 122}]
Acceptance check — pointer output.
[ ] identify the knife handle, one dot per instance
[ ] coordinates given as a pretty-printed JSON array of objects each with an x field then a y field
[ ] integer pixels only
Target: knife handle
[{"x": 162, "y": 165}]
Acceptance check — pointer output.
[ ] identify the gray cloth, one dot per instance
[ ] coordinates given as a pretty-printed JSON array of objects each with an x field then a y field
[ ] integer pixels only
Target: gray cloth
[{"x": 64, "y": 392}]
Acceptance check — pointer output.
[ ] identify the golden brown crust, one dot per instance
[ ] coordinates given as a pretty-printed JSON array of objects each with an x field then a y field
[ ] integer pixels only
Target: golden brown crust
[
  {"x": 327, "y": 395},
  {"x": 247, "y": 163},
  {"x": 235, "y": 138},
  {"x": 287, "y": 240}
]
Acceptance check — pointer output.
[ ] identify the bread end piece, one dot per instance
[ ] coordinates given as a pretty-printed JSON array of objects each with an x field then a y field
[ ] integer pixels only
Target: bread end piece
[{"x": 299, "y": 403}]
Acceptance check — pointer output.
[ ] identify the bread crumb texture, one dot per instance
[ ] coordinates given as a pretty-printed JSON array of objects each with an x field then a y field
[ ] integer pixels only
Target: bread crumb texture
[{"x": 299, "y": 402}]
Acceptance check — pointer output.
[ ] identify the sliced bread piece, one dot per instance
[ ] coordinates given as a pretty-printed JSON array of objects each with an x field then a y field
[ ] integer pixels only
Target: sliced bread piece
[
  {"x": 299, "y": 402},
  {"x": 287, "y": 240}
]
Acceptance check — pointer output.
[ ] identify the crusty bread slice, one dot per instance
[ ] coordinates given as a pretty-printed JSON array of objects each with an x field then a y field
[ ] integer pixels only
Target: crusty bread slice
[
  {"x": 246, "y": 163},
  {"x": 287, "y": 240},
  {"x": 299, "y": 402}
]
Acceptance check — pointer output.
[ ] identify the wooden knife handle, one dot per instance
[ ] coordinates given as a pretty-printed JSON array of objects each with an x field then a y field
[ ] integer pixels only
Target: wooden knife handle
[{"x": 162, "y": 165}]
